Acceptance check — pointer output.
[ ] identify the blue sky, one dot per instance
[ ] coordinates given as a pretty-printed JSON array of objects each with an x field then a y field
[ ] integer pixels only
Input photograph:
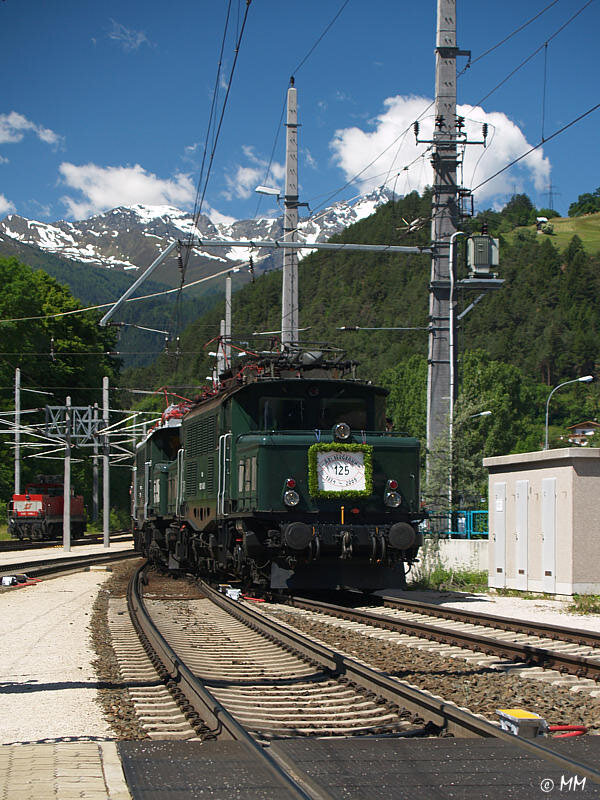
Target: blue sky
[{"x": 106, "y": 104}]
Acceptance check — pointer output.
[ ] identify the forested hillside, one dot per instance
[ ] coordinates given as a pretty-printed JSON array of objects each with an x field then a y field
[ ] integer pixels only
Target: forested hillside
[
  {"x": 543, "y": 321},
  {"x": 541, "y": 328},
  {"x": 92, "y": 285}
]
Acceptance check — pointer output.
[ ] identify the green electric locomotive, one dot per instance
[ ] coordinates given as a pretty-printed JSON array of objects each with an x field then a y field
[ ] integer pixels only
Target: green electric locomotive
[{"x": 284, "y": 478}]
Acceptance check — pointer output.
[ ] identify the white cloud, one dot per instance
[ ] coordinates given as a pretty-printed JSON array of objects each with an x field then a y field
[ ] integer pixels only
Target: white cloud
[
  {"x": 309, "y": 158},
  {"x": 128, "y": 39},
  {"x": 243, "y": 180},
  {"x": 14, "y": 126},
  {"x": 6, "y": 207},
  {"x": 3, "y": 160},
  {"x": 354, "y": 149},
  {"x": 107, "y": 187}
]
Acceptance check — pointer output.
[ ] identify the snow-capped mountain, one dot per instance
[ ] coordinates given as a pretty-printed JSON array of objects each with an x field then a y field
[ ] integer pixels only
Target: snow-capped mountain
[{"x": 131, "y": 237}]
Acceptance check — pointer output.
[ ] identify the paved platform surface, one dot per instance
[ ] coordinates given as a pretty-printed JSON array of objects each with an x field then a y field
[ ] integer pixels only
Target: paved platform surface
[
  {"x": 346, "y": 769},
  {"x": 439, "y": 769},
  {"x": 8, "y": 557},
  {"x": 359, "y": 769},
  {"x": 194, "y": 770},
  {"x": 65, "y": 770}
]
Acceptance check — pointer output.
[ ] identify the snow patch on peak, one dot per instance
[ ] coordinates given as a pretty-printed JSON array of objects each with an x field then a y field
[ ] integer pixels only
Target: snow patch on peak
[{"x": 149, "y": 213}]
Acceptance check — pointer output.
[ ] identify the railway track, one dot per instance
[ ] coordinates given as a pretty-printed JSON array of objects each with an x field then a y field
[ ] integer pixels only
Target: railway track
[
  {"x": 228, "y": 683},
  {"x": 577, "y": 636},
  {"x": 525, "y": 643},
  {"x": 16, "y": 545},
  {"x": 57, "y": 566}
]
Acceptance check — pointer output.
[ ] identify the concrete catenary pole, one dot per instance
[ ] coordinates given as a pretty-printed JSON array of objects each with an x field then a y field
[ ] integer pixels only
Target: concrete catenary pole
[
  {"x": 444, "y": 225},
  {"x": 17, "y": 431},
  {"x": 228, "y": 322},
  {"x": 105, "y": 468},
  {"x": 289, "y": 289},
  {"x": 221, "y": 350},
  {"x": 67, "y": 480},
  {"x": 95, "y": 512}
]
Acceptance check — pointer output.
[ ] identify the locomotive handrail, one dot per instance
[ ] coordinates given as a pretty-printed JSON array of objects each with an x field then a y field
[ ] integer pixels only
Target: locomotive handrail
[
  {"x": 179, "y": 480},
  {"x": 223, "y": 441}
]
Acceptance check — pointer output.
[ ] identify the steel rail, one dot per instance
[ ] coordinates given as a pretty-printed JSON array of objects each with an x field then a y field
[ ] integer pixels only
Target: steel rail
[
  {"x": 208, "y": 708},
  {"x": 530, "y": 654},
  {"x": 16, "y": 545},
  {"x": 455, "y": 717},
  {"x": 51, "y": 566},
  {"x": 575, "y": 635}
]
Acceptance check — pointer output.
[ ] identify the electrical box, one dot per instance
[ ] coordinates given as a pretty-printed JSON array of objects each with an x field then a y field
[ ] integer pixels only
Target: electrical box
[
  {"x": 482, "y": 255},
  {"x": 523, "y": 723}
]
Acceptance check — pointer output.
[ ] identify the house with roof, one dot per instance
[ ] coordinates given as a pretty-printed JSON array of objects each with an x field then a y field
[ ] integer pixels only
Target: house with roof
[{"x": 581, "y": 433}]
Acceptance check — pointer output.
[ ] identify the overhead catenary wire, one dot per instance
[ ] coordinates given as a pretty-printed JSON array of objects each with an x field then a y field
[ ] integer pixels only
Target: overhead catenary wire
[
  {"x": 506, "y": 38},
  {"x": 472, "y": 62},
  {"x": 528, "y": 58},
  {"x": 537, "y": 146}
]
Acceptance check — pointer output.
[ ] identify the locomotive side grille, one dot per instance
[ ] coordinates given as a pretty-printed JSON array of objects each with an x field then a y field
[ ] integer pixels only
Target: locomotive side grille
[
  {"x": 192, "y": 439},
  {"x": 207, "y": 435},
  {"x": 191, "y": 478},
  {"x": 200, "y": 437},
  {"x": 210, "y": 474}
]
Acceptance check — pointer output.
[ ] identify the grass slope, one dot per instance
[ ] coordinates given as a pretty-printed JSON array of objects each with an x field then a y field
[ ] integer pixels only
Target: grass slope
[{"x": 586, "y": 227}]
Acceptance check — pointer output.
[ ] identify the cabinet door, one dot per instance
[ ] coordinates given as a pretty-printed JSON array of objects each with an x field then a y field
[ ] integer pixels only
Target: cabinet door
[
  {"x": 549, "y": 535},
  {"x": 521, "y": 533},
  {"x": 498, "y": 576}
]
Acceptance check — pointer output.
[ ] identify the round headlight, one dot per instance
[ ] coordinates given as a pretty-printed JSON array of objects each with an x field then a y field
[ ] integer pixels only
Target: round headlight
[
  {"x": 291, "y": 498},
  {"x": 341, "y": 431},
  {"x": 392, "y": 499}
]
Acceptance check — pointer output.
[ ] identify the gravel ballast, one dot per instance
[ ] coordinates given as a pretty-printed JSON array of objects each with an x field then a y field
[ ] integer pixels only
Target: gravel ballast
[{"x": 481, "y": 689}]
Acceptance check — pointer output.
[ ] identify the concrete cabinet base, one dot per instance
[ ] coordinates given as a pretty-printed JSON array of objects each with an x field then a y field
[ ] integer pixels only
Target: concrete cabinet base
[{"x": 545, "y": 521}]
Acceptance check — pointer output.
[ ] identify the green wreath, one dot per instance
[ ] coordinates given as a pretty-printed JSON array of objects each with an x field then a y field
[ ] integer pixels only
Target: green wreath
[{"x": 313, "y": 483}]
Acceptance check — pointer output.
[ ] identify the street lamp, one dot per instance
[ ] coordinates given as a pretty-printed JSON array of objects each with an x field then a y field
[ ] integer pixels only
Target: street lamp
[
  {"x": 584, "y": 379},
  {"x": 268, "y": 190},
  {"x": 481, "y": 414}
]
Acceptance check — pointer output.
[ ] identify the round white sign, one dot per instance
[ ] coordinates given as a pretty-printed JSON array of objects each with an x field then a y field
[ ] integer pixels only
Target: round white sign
[{"x": 341, "y": 471}]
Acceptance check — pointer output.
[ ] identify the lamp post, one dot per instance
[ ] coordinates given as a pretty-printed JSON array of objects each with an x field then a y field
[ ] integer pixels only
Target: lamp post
[
  {"x": 481, "y": 414},
  {"x": 584, "y": 379}
]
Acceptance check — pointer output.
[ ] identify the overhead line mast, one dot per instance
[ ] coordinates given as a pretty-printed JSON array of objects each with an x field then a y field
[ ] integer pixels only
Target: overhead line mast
[
  {"x": 289, "y": 289},
  {"x": 444, "y": 223}
]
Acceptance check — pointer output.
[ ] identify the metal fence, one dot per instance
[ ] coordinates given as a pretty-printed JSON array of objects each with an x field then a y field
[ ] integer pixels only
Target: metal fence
[{"x": 461, "y": 524}]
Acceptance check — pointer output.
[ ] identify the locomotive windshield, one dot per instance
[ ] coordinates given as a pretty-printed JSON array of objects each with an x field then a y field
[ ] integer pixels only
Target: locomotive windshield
[
  {"x": 282, "y": 413},
  {"x": 294, "y": 413},
  {"x": 352, "y": 410}
]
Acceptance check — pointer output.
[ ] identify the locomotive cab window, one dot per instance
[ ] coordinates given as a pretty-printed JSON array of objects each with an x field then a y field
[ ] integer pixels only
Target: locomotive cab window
[
  {"x": 282, "y": 413},
  {"x": 51, "y": 491},
  {"x": 352, "y": 410}
]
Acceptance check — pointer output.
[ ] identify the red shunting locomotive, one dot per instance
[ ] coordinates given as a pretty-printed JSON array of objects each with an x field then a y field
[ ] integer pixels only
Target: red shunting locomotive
[{"x": 38, "y": 513}]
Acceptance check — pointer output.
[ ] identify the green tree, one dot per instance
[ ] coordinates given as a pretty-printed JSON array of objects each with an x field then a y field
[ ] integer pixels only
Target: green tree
[
  {"x": 588, "y": 203},
  {"x": 65, "y": 355}
]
